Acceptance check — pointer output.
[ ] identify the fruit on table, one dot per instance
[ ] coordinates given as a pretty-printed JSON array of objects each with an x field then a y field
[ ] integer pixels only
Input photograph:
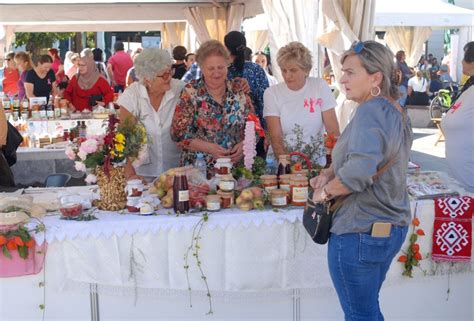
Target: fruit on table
[
  {"x": 250, "y": 198},
  {"x": 71, "y": 210}
]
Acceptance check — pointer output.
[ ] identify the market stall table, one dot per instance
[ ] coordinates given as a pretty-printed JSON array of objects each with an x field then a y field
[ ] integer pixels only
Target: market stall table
[{"x": 258, "y": 265}]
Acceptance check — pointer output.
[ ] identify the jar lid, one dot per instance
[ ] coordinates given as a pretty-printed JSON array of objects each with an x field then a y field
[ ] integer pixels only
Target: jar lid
[
  {"x": 268, "y": 177},
  {"x": 225, "y": 194},
  {"x": 227, "y": 177},
  {"x": 286, "y": 176},
  {"x": 215, "y": 198},
  {"x": 299, "y": 178},
  {"x": 223, "y": 160},
  {"x": 278, "y": 192}
]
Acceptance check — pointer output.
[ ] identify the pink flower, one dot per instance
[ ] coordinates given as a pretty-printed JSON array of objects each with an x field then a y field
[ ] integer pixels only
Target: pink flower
[
  {"x": 90, "y": 179},
  {"x": 80, "y": 166},
  {"x": 89, "y": 146},
  {"x": 70, "y": 153},
  {"x": 82, "y": 155}
]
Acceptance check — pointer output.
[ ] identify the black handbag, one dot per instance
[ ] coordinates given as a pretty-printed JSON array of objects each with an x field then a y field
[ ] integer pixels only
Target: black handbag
[
  {"x": 317, "y": 217},
  {"x": 94, "y": 99},
  {"x": 14, "y": 139}
]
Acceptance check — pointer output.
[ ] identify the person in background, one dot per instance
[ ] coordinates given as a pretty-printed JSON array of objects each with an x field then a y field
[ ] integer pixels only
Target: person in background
[
  {"x": 189, "y": 60},
  {"x": 300, "y": 100},
  {"x": 444, "y": 76},
  {"x": 152, "y": 101},
  {"x": 211, "y": 112},
  {"x": 57, "y": 65},
  {"x": 11, "y": 76},
  {"x": 131, "y": 75},
  {"x": 179, "y": 66},
  {"x": 406, "y": 73},
  {"x": 98, "y": 56},
  {"x": 2, "y": 71},
  {"x": 378, "y": 133},
  {"x": 248, "y": 54},
  {"x": 68, "y": 61},
  {"x": 434, "y": 65},
  {"x": 458, "y": 128},
  {"x": 418, "y": 89},
  {"x": 88, "y": 88},
  {"x": 40, "y": 81},
  {"x": 75, "y": 58},
  {"x": 118, "y": 66},
  {"x": 261, "y": 59},
  {"x": 24, "y": 63},
  {"x": 236, "y": 43},
  {"x": 435, "y": 84}
]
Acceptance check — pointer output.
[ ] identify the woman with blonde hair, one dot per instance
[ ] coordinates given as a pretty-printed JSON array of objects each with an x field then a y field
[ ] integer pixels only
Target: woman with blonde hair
[
  {"x": 378, "y": 137},
  {"x": 24, "y": 64},
  {"x": 299, "y": 104}
]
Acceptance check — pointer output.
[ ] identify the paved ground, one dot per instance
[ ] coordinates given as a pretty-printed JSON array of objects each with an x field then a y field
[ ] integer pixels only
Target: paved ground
[{"x": 425, "y": 153}]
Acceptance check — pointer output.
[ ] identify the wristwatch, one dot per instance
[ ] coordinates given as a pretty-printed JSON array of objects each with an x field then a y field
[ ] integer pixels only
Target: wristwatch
[{"x": 325, "y": 196}]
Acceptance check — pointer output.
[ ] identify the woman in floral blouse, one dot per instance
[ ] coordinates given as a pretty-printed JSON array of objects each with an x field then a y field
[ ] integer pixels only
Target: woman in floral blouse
[{"x": 211, "y": 112}]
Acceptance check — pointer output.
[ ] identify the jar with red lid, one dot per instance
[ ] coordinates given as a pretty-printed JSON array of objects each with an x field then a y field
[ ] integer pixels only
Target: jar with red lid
[
  {"x": 299, "y": 190},
  {"x": 223, "y": 166},
  {"x": 285, "y": 184}
]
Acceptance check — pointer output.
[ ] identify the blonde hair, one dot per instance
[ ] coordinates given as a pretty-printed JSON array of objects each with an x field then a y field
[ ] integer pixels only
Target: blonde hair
[
  {"x": 211, "y": 48},
  {"x": 375, "y": 57},
  {"x": 24, "y": 56},
  {"x": 297, "y": 52}
]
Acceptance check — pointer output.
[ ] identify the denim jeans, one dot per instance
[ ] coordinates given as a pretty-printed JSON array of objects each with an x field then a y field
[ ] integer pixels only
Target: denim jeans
[
  {"x": 358, "y": 264},
  {"x": 404, "y": 95}
]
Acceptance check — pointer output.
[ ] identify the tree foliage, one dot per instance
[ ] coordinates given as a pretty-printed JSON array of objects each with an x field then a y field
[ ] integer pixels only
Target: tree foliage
[{"x": 35, "y": 41}]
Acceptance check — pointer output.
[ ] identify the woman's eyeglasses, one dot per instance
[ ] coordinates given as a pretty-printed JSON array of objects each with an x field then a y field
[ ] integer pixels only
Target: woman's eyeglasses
[{"x": 166, "y": 75}]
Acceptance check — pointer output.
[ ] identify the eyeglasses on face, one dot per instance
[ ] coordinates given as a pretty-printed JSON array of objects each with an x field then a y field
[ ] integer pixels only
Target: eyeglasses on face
[{"x": 167, "y": 74}]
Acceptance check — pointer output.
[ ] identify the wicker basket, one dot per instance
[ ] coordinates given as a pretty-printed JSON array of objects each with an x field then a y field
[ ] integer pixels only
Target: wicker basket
[{"x": 112, "y": 189}]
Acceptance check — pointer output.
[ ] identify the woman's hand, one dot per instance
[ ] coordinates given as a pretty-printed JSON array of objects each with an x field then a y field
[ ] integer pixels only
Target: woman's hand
[
  {"x": 317, "y": 195},
  {"x": 241, "y": 84},
  {"x": 237, "y": 152},
  {"x": 72, "y": 107},
  {"x": 216, "y": 150},
  {"x": 319, "y": 181}
]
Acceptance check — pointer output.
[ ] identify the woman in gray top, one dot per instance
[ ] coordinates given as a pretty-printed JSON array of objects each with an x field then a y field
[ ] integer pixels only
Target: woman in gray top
[{"x": 359, "y": 254}]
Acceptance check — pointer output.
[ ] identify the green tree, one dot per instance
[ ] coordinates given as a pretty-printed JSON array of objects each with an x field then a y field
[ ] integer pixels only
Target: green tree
[{"x": 35, "y": 41}]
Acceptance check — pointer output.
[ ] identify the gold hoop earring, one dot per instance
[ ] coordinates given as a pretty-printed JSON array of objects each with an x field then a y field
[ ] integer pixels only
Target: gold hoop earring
[{"x": 378, "y": 91}]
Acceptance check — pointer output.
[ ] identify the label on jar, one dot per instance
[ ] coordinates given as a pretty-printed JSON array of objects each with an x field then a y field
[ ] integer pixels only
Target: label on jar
[
  {"x": 285, "y": 187},
  {"x": 183, "y": 196},
  {"x": 270, "y": 187},
  {"x": 300, "y": 194},
  {"x": 226, "y": 185},
  {"x": 213, "y": 206},
  {"x": 279, "y": 201},
  {"x": 35, "y": 114}
]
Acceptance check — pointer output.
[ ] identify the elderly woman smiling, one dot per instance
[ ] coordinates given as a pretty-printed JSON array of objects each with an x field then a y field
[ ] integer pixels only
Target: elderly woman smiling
[
  {"x": 211, "y": 112},
  {"x": 152, "y": 101}
]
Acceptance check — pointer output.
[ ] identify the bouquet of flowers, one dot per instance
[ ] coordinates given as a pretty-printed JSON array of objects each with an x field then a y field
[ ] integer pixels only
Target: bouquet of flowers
[{"x": 122, "y": 141}]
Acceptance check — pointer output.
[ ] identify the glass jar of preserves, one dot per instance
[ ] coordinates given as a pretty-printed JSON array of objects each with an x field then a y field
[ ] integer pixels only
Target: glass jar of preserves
[
  {"x": 213, "y": 203},
  {"x": 223, "y": 166},
  {"x": 285, "y": 184},
  {"x": 278, "y": 198},
  {"x": 227, "y": 198},
  {"x": 299, "y": 190},
  {"x": 180, "y": 192},
  {"x": 269, "y": 182},
  {"x": 226, "y": 183}
]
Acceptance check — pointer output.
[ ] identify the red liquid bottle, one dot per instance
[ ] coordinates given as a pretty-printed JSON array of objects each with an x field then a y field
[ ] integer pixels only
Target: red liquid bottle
[
  {"x": 283, "y": 166},
  {"x": 180, "y": 192}
]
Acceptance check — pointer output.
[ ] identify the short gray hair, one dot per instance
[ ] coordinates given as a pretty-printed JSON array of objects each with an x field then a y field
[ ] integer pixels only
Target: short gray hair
[
  {"x": 151, "y": 62},
  {"x": 211, "y": 48},
  {"x": 297, "y": 52},
  {"x": 375, "y": 57}
]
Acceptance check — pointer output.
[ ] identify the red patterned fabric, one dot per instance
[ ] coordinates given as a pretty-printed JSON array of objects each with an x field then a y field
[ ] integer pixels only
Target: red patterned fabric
[{"x": 452, "y": 232}]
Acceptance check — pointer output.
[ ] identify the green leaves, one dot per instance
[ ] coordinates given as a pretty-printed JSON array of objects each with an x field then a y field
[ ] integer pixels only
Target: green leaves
[{"x": 6, "y": 252}]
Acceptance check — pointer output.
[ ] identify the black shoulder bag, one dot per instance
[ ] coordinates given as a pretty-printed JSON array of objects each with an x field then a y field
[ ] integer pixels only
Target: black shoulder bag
[
  {"x": 317, "y": 217},
  {"x": 14, "y": 139}
]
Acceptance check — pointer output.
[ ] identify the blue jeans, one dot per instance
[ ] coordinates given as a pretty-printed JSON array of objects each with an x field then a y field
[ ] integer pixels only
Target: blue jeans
[
  {"x": 358, "y": 264},
  {"x": 404, "y": 94}
]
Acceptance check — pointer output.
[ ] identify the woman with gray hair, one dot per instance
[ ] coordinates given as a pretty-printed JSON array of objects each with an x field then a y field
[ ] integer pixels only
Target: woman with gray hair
[
  {"x": 152, "y": 101},
  {"x": 300, "y": 104},
  {"x": 368, "y": 229}
]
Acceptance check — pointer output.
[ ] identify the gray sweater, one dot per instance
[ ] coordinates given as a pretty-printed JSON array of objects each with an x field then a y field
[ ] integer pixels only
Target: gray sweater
[{"x": 376, "y": 133}]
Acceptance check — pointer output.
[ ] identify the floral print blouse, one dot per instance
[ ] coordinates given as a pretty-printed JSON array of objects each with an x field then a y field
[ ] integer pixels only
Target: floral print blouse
[{"x": 198, "y": 115}]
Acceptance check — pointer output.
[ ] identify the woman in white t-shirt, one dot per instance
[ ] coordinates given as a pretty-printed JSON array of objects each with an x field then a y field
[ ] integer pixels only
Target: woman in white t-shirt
[
  {"x": 298, "y": 110},
  {"x": 418, "y": 87},
  {"x": 152, "y": 101}
]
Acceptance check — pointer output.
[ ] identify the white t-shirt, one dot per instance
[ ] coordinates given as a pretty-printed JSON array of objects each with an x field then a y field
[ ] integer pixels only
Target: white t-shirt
[
  {"x": 163, "y": 153},
  {"x": 459, "y": 134},
  {"x": 301, "y": 107},
  {"x": 418, "y": 84}
]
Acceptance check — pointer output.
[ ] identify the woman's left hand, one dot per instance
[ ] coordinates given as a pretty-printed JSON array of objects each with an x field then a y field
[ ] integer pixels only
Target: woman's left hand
[
  {"x": 317, "y": 195},
  {"x": 241, "y": 84},
  {"x": 237, "y": 152}
]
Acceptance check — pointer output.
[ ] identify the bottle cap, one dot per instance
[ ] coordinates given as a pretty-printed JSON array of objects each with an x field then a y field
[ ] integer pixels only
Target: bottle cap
[{"x": 200, "y": 155}]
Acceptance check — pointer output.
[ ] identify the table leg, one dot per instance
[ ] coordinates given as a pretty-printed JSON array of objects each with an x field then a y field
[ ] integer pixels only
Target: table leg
[
  {"x": 296, "y": 305},
  {"x": 95, "y": 316}
]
